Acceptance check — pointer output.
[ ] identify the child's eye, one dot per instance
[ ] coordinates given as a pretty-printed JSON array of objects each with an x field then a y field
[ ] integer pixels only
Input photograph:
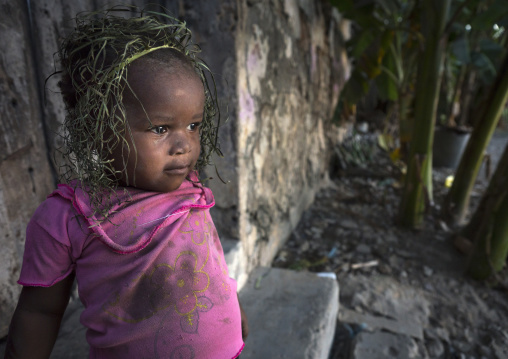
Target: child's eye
[
  {"x": 194, "y": 126},
  {"x": 159, "y": 130}
]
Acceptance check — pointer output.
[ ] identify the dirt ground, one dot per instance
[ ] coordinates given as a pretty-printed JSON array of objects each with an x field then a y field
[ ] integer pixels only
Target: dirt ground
[{"x": 414, "y": 280}]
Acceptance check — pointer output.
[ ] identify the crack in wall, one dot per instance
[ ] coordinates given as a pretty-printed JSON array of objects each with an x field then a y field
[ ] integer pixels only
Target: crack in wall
[{"x": 40, "y": 93}]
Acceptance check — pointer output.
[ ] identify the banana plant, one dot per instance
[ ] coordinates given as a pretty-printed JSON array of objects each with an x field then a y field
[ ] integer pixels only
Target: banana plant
[
  {"x": 417, "y": 192},
  {"x": 383, "y": 51},
  {"x": 488, "y": 227},
  {"x": 486, "y": 58}
]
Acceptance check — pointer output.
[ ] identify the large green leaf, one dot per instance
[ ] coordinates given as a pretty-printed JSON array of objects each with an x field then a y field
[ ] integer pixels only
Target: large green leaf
[
  {"x": 480, "y": 60},
  {"x": 491, "y": 49},
  {"x": 344, "y": 6},
  {"x": 387, "y": 85},
  {"x": 494, "y": 12},
  {"x": 460, "y": 48},
  {"x": 360, "y": 12},
  {"x": 361, "y": 42},
  {"x": 356, "y": 87}
]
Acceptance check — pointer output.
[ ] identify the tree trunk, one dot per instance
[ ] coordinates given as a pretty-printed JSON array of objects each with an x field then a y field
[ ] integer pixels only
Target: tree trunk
[
  {"x": 488, "y": 228},
  {"x": 456, "y": 202},
  {"x": 418, "y": 183}
]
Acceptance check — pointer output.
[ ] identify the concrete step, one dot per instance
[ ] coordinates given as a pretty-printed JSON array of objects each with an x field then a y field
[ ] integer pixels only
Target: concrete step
[{"x": 291, "y": 314}]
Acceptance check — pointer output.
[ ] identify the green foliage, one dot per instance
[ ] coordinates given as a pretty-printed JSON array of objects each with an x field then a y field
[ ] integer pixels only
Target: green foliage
[
  {"x": 457, "y": 200},
  {"x": 488, "y": 227},
  {"x": 379, "y": 47},
  {"x": 418, "y": 182},
  {"x": 495, "y": 12},
  {"x": 474, "y": 52}
]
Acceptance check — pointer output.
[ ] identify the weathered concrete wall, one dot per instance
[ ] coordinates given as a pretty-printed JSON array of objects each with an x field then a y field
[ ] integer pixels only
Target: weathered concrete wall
[
  {"x": 25, "y": 173},
  {"x": 289, "y": 77},
  {"x": 51, "y": 21}
]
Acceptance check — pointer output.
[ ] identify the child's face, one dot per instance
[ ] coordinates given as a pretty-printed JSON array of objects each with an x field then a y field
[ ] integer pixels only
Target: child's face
[{"x": 167, "y": 149}]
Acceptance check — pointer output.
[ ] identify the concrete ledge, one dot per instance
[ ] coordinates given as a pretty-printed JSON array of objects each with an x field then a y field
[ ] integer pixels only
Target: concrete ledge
[
  {"x": 291, "y": 314},
  {"x": 233, "y": 254}
]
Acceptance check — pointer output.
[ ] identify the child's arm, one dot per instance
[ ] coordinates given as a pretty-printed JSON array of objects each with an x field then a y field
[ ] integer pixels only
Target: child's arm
[{"x": 35, "y": 323}]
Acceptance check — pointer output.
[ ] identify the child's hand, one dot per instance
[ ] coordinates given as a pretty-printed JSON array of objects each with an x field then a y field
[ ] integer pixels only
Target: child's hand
[{"x": 245, "y": 322}]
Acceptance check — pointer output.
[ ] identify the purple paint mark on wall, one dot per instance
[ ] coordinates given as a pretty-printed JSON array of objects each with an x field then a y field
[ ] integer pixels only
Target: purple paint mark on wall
[
  {"x": 254, "y": 57},
  {"x": 247, "y": 106}
]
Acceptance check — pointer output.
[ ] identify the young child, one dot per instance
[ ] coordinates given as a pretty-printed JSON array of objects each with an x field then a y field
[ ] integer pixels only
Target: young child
[{"x": 133, "y": 225}]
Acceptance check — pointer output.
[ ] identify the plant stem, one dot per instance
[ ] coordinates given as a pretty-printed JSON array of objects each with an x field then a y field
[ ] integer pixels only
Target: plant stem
[
  {"x": 457, "y": 201},
  {"x": 419, "y": 174}
]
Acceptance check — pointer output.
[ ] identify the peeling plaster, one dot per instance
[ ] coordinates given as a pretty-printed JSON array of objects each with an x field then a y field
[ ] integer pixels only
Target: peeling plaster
[
  {"x": 293, "y": 13},
  {"x": 284, "y": 125},
  {"x": 247, "y": 107},
  {"x": 257, "y": 55},
  {"x": 289, "y": 46}
]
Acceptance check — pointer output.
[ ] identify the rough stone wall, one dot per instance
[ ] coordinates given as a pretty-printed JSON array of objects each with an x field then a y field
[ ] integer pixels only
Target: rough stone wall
[
  {"x": 25, "y": 173},
  {"x": 290, "y": 71}
]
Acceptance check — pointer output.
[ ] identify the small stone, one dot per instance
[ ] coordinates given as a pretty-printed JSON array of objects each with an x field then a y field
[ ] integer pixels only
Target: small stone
[
  {"x": 316, "y": 231},
  {"x": 385, "y": 269},
  {"x": 369, "y": 235},
  {"x": 463, "y": 346},
  {"x": 282, "y": 257},
  {"x": 393, "y": 261},
  {"x": 485, "y": 351},
  {"x": 358, "y": 309},
  {"x": 339, "y": 232},
  {"x": 305, "y": 246},
  {"x": 363, "y": 249},
  {"x": 429, "y": 287},
  {"x": 468, "y": 335},
  {"x": 348, "y": 224},
  {"x": 390, "y": 237},
  {"x": 344, "y": 267},
  {"x": 427, "y": 271},
  {"x": 438, "y": 332},
  {"x": 435, "y": 348},
  {"x": 362, "y": 127}
]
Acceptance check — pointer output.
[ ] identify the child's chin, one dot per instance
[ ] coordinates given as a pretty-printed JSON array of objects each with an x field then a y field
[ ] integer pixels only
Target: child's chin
[{"x": 165, "y": 187}]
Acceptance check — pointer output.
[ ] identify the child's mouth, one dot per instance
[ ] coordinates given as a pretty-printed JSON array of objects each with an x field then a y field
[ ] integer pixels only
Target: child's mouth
[{"x": 177, "y": 170}]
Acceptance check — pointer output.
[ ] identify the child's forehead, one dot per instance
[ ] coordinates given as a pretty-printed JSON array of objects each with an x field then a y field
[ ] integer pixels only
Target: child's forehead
[
  {"x": 146, "y": 84},
  {"x": 140, "y": 75},
  {"x": 150, "y": 67}
]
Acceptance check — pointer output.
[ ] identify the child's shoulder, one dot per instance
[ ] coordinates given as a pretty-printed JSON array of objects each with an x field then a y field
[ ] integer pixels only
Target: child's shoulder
[
  {"x": 56, "y": 218},
  {"x": 56, "y": 207}
]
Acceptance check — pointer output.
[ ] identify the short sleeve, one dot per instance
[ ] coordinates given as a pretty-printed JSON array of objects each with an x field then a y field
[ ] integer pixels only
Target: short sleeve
[{"x": 47, "y": 258}]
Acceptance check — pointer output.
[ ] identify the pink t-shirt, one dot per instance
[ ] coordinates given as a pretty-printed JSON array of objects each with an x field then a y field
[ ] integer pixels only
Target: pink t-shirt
[{"x": 152, "y": 278}]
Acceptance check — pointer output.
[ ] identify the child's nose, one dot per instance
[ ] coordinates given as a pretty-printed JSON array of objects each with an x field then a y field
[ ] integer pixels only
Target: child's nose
[{"x": 179, "y": 144}]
